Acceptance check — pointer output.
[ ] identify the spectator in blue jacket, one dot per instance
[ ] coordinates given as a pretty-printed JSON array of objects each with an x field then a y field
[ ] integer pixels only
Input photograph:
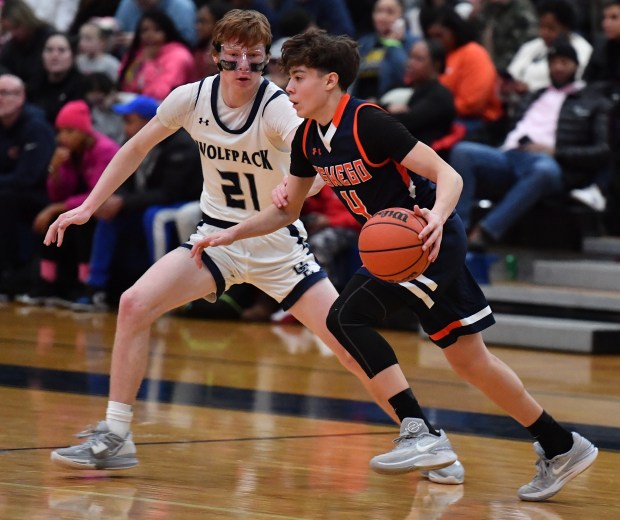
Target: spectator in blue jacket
[
  {"x": 560, "y": 143},
  {"x": 27, "y": 142},
  {"x": 383, "y": 52}
]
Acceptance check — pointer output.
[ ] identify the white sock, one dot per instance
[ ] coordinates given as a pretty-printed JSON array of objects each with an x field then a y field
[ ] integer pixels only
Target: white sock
[{"x": 118, "y": 417}]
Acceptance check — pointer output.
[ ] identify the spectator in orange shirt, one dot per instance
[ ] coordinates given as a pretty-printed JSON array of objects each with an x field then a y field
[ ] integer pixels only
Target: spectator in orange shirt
[{"x": 470, "y": 74}]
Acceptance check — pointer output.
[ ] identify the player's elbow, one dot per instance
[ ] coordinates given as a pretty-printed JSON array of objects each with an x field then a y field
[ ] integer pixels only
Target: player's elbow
[{"x": 457, "y": 181}]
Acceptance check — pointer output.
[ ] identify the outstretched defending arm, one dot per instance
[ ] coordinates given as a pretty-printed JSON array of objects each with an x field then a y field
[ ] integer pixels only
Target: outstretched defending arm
[{"x": 121, "y": 167}]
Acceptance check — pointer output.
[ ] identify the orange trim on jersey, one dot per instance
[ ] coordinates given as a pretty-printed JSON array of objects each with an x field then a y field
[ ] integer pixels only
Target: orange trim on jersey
[
  {"x": 342, "y": 104},
  {"x": 357, "y": 139},
  {"x": 446, "y": 330},
  {"x": 404, "y": 175},
  {"x": 304, "y": 137}
]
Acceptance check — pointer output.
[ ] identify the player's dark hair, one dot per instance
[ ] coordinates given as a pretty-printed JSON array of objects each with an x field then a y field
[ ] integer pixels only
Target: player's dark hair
[{"x": 316, "y": 49}]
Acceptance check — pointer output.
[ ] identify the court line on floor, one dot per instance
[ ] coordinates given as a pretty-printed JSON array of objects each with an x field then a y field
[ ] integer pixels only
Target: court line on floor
[{"x": 282, "y": 403}]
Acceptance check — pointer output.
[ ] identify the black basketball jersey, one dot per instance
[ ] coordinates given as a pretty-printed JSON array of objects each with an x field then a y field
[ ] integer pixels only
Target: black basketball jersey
[{"x": 363, "y": 186}]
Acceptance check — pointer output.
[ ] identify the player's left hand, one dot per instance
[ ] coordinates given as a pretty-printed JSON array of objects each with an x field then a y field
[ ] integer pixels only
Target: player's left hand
[
  {"x": 221, "y": 238},
  {"x": 432, "y": 232},
  {"x": 279, "y": 195}
]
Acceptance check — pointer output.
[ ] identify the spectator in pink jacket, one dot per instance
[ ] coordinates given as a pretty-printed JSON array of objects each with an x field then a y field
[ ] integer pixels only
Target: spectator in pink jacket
[
  {"x": 79, "y": 160},
  {"x": 158, "y": 59}
]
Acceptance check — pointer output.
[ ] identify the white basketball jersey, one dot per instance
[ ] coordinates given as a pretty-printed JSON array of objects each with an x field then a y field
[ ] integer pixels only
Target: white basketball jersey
[{"x": 243, "y": 162}]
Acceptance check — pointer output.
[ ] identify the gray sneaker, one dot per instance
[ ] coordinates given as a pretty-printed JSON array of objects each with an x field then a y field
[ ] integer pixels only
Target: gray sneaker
[
  {"x": 553, "y": 474},
  {"x": 452, "y": 474},
  {"x": 101, "y": 450},
  {"x": 415, "y": 449}
]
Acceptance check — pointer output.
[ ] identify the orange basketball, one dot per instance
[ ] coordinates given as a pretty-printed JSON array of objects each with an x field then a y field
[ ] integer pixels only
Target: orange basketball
[{"x": 389, "y": 245}]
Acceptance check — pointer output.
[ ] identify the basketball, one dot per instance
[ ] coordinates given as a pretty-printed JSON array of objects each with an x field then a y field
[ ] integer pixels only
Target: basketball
[{"x": 389, "y": 245}]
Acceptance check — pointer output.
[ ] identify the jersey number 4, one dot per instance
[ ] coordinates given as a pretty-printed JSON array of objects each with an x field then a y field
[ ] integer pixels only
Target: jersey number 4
[
  {"x": 234, "y": 193},
  {"x": 354, "y": 203}
]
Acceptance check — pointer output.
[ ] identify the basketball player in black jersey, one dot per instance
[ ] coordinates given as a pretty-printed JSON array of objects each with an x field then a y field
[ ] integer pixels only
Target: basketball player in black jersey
[{"x": 372, "y": 163}]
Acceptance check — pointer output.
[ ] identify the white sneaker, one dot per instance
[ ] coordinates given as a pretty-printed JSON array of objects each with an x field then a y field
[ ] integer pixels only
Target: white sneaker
[
  {"x": 452, "y": 474},
  {"x": 101, "y": 450},
  {"x": 553, "y": 474},
  {"x": 416, "y": 448},
  {"x": 591, "y": 197}
]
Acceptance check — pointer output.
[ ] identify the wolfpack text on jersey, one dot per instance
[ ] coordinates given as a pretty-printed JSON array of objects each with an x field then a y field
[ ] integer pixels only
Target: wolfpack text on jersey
[{"x": 243, "y": 152}]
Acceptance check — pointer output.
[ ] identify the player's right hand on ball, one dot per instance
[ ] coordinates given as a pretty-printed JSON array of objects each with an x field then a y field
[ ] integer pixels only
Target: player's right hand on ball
[{"x": 221, "y": 238}]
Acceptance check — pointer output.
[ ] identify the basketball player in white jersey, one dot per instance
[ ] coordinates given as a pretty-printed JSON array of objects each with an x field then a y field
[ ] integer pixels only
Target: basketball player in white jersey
[{"x": 243, "y": 126}]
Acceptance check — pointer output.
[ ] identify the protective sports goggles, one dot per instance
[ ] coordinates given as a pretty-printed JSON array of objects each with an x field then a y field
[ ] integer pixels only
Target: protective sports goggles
[{"x": 232, "y": 55}]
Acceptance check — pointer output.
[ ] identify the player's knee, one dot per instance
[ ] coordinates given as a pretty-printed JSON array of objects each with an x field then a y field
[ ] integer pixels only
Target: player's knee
[
  {"x": 132, "y": 304},
  {"x": 340, "y": 316},
  {"x": 333, "y": 321},
  {"x": 467, "y": 363}
]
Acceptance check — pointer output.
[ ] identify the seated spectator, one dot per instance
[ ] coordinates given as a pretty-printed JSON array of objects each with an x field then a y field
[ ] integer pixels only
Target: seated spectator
[
  {"x": 169, "y": 174},
  {"x": 206, "y": 17},
  {"x": 58, "y": 13},
  {"x": 603, "y": 72},
  {"x": 429, "y": 113},
  {"x": 528, "y": 69},
  {"x": 93, "y": 55},
  {"x": 383, "y": 52},
  {"x": 22, "y": 54},
  {"x": 27, "y": 142},
  {"x": 100, "y": 93},
  {"x": 470, "y": 74},
  {"x": 76, "y": 165},
  {"x": 332, "y": 234},
  {"x": 604, "y": 65},
  {"x": 181, "y": 12},
  {"x": 505, "y": 25},
  {"x": 331, "y": 15},
  {"x": 62, "y": 82},
  {"x": 559, "y": 143},
  {"x": 158, "y": 59}
]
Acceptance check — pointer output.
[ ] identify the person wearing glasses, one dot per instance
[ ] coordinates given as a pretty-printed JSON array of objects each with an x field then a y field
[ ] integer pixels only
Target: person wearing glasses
[{"x": 243, "y": 125}]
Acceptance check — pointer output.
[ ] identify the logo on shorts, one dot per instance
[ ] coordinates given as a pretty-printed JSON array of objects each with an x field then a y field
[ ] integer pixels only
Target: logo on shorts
[{"x": 303, "y": 268}]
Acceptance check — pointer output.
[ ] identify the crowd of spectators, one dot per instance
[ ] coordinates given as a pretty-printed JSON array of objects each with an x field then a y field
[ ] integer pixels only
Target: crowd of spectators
[{"x": 468, "y": 77}]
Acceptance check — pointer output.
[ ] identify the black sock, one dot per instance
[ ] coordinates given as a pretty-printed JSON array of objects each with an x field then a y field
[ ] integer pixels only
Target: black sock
[
  {"x": 553, "y": 438},
  {"x": 406, "y": 405}
]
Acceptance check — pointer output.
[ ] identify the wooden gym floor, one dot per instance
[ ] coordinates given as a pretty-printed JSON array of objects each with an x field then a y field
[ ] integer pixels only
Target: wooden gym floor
[{"x": 259, "y": 421}]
